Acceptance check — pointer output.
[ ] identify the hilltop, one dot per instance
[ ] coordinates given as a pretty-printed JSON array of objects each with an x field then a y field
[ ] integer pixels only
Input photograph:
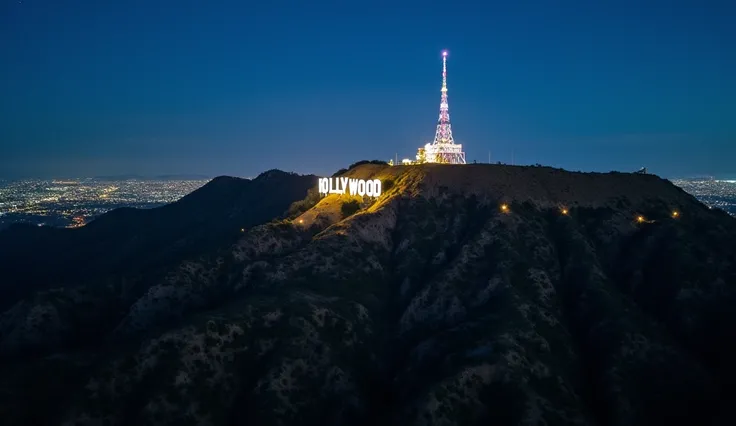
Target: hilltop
[
  {"x": 544, "y": 187},
  {"x": 131, "y": 242},
  {"x": 476, "y": 294}
]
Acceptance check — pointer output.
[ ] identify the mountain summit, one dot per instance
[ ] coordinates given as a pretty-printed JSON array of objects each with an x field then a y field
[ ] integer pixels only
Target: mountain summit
[{"x": 463, "y": 295}]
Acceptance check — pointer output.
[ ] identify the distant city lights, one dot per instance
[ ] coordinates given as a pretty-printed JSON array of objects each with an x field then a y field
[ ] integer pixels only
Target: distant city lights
[
  {"x": 711, "y": 192},
  {"x": 65, "y": 203}
]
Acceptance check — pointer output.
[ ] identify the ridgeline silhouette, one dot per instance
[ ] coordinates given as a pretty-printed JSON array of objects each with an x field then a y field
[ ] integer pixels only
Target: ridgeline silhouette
[{"x": 428, "y": 305}]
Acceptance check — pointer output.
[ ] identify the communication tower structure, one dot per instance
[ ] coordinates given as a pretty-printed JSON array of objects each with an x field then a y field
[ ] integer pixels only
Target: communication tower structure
[{"x": 443, "y": 149}]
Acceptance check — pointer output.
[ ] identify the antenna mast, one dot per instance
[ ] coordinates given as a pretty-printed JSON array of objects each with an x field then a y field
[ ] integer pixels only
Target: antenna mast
[{"x": 444, "y": 149}]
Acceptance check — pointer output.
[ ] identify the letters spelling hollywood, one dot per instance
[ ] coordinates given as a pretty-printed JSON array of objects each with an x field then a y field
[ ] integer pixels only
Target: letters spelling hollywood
[{"x": 342, "y": 185}]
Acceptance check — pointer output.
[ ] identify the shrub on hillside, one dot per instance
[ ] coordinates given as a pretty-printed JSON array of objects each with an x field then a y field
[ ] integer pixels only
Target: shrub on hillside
[
  {"x": 339, "y": 172},
  {"x": 356, "y": 164},
  {"x": 349, "y": 208},
  {"x": 299, "y": 207}
]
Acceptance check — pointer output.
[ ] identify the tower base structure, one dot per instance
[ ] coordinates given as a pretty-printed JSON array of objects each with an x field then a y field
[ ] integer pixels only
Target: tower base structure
[{"x": 445, "y": 153}]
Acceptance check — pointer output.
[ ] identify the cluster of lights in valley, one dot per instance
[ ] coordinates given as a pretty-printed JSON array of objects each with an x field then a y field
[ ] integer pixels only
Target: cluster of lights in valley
[{"x": 73, "y": 203}]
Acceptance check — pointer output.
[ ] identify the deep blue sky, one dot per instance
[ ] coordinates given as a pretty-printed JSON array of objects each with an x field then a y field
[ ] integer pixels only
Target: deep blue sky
[{"x": 239, "y": 87}]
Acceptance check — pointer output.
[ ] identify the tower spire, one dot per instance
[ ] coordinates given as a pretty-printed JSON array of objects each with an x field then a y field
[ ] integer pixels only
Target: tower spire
[
  {"x": 444, "y": 71},
  {"x": 444, "y": 149}
]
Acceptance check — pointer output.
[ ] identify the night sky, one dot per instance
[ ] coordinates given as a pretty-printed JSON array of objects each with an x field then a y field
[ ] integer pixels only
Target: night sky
[{"x": 238, "y": 87}]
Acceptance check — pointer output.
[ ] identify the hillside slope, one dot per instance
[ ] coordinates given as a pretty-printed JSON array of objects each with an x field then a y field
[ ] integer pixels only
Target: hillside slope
[
  {"x": 129, "y": 241},
  {"x": 432, "y": 305}
]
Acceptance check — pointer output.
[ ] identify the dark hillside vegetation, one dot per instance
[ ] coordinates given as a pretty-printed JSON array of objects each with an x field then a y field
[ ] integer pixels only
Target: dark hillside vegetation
[
  {"x": 462, "y": 296},
  {"x": 129, "y": 242}
]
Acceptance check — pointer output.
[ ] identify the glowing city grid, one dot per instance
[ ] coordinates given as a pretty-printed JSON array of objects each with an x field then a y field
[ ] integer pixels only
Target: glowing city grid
[{"x": 73, "y": 203}]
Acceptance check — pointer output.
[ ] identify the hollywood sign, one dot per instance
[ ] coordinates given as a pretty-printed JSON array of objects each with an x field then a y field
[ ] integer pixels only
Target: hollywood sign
[{"x": 343, "y": 185}]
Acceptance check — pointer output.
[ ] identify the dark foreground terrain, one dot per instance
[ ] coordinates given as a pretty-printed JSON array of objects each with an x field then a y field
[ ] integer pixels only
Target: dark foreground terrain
[{"x": 431, "y": 305}]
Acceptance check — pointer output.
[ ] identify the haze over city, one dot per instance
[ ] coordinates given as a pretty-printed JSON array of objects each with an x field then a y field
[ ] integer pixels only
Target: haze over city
[{"x": 226, "y": 87}]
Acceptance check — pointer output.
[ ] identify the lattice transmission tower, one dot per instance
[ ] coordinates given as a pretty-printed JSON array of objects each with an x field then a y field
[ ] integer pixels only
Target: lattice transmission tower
[{"x": 443, "y": 149}]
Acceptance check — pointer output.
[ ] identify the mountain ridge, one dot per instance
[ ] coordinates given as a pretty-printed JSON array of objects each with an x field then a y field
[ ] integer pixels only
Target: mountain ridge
[
  {"x": 219, "y": 206},
  {"x": 432, "y": 304}
]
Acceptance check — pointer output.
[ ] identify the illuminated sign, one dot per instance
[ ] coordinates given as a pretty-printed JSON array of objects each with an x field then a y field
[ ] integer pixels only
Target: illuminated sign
[{"x": 343, "y": 185}]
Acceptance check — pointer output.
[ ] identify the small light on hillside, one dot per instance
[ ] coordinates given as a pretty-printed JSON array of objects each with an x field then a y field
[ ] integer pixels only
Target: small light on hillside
[
  {"x": 504, "y": 208},
  {"x": 242, "y": 229},
  {"x": 564, "y": 211},
  {"x": 675, "y": 214},
  {"x": 640, "y": 219},
  {"x": 301, "y": 220}
]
